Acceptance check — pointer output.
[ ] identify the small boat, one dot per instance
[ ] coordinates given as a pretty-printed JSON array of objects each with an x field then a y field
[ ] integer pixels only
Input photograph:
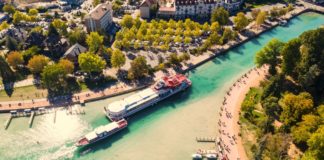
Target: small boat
[
  {"x": 102, "y": 132},
  {"x": 196, "y": 156},
  {"x": 211, "y": 156},
  {"x": 282, "y": 22}
]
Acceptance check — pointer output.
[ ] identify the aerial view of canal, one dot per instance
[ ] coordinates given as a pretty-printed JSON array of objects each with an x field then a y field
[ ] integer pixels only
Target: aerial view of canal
[{"x": 164, "y": 131}]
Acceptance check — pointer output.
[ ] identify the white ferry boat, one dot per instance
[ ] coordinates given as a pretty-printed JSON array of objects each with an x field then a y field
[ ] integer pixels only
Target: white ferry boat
[
  {"x": 102, "y": 132},
  {"x": 163, "y": 89}
]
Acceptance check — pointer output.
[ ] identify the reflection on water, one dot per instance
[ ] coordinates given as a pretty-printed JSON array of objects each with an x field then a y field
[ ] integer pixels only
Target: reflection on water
[{"x": 164, "y": 131}]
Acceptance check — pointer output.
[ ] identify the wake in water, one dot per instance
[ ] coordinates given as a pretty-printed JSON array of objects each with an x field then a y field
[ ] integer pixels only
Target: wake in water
[{"x": 62, "y": 153}]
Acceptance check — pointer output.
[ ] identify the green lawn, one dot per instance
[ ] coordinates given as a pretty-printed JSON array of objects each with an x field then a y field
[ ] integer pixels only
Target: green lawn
[{"x": 23, "y": 93}]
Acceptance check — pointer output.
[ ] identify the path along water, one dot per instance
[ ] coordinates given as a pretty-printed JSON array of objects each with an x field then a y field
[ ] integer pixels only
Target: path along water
[{"x": 165, "y": 131}]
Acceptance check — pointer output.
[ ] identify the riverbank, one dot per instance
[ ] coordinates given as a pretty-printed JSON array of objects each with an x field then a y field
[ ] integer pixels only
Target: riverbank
[
  {"x": 229, "y": 127},
  {"x": 191, "y": 64}
]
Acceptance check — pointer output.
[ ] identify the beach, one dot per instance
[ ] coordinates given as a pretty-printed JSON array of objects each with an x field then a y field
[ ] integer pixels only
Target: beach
[{"x": 229, "y": 128}]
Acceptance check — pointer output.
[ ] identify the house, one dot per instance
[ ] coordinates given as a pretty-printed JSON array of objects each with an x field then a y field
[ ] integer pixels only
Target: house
[
  {"x": 146, "y": 7},
  {"x": 3, "y": 17},
  {"x": 99, "y": 18},
  {"x": 74, "y": 2},
  {"x": 73, "y": 53},
  {"x": 195, "y": 8}
]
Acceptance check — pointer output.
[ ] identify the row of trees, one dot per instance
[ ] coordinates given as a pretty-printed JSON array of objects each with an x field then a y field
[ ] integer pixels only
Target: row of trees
[{"x": 292, "y": 96}]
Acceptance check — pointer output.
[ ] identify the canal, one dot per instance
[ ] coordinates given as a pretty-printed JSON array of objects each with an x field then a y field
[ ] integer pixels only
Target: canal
[{"x": 165, "y": 131}]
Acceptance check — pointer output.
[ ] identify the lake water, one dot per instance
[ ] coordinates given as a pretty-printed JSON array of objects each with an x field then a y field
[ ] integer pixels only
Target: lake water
[{"x": 164, "y": 131}]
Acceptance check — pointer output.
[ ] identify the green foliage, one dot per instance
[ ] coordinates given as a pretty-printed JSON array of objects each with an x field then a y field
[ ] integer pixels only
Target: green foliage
[
  {"x": 33, "y": 12},
  {"x": 60, "y": 26},
  {"x": 276, "y": 147},
  {"x": 94, "y": 41},
  {"x": 139, "y": 68},
  {"x": 9, "y": 9},
  {"x": 127, "y": 21},
  {"x": 30, "y": 52},
  {"x": 77, "y": 36},
  {"x": 271, "y": 106},
  {"x": 241, "y": 21},
  {"x": 316, "y": 145},
  {"x": 95, "y": 2},
  {"x": 269, "y": 54},
  {"x": 91, "y": 63},
  {"x": 54, "y": 77},
  {"x": 294, "y": 106},
  {"x": 304, "y": 129},
  {"x": 4, "y": 25},
  {"x": 117, "y": 59},
  {"x": 251, "y": 100},
  {"x": 260, "y": 19},
  {"x": 220, "y": 15},
  {"x": 290, "y": 56},
  {"x": 5, "y": 71},
  {"x": 11, "y": 43}
]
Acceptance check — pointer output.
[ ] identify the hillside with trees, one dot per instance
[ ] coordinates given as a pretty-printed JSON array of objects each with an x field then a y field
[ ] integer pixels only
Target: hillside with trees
[{"x": 285, "y": 114}]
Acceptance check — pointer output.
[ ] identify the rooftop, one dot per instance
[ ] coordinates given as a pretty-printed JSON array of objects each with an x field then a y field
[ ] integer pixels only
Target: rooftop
[{"x": 100, "y": 10}]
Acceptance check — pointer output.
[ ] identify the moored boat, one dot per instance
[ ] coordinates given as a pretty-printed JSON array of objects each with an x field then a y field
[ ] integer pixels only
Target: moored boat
[
  {"x": 163, "y": 89},
  {"x": 102, "y": 132}
]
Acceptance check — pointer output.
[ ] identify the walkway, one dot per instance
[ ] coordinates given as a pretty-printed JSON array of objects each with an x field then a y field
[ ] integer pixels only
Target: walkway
[{"x": 230, "y": 112}]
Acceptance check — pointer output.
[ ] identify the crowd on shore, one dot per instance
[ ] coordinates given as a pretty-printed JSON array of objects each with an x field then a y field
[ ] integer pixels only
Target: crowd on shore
[{"x": 228, "y": 123}]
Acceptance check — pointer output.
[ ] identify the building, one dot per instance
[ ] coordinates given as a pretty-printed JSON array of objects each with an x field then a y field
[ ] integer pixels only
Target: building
[
  {"x": 146, "y": 6},
  {"x": 74, "y": 2},
  {"x": 3, "y": 17},
  {"x": 73, "y": 53},
  {"x": 195, "y": 8},
  {"x": 100, "y": 18}
]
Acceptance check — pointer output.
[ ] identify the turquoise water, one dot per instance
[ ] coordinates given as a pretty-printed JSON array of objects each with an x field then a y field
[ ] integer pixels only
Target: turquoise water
[{"x": 165, "y": 131}]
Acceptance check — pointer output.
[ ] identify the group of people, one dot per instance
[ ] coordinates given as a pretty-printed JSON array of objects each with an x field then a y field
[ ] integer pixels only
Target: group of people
[{"x": 227, "y": 138}]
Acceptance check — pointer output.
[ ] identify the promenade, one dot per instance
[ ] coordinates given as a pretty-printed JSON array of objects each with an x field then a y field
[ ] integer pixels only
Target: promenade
[{"x": 229, "y": 128}]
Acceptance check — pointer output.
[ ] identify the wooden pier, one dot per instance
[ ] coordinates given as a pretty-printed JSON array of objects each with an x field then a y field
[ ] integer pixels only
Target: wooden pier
[
  {"x": 31, "y": 119},
  {"x": 7, "y": 123},
  {"x": 206, "y": 139}
]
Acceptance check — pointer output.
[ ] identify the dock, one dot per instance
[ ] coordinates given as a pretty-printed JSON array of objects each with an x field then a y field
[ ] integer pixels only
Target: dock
[
  {"x": 54, "y": 119},
  {"x": 7, "y": 123},
  {"x": 31, "y": 119},
  {"x": 206, "y": 139}
]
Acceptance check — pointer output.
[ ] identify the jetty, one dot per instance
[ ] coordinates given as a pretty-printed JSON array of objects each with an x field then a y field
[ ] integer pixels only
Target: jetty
[
  {"x": 7, "y": 123},
  {"x": 31, "y": 119}
]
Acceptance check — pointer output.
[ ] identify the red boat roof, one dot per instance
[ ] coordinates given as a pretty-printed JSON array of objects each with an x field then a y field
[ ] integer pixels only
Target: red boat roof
[{"x": 173, "y": 81}]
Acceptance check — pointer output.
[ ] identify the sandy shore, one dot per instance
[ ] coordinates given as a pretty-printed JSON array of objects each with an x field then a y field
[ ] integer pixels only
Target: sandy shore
[{"x": 229, "y": 113}]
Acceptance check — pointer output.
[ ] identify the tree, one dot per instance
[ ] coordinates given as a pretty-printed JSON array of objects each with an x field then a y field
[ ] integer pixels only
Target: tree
[
  {"x": 30, "y": 52},
  {"x": 139, "y": 68},
  {"x": 220, "y": 15},
  {"x": 11, "y": 43},
  {"x": 187, "y": 40},
  {"x": 4, "y": 25},
  {"x": 316, "y": 145},
  {"x": 5, "y": 71},
  {"x": 255, "y": 13},
  {"x": 94, "y": 41},
  {"x": 91, "y": 63},
  {"x": 19, "y": 16},
  {"x": 77, "y": 36},
  {"x": 215, "y": 27},
  {"x": 228, "y": 35},
  {"x": 54, "y": 78},
  {"x": 60, "y": 26},
  {"x": 294, "y": 106},
  {"x": 177, "y": 39},
  {"x": 240, "y": 21},
  {"x": 15, "y": 59},
  {"x": 67, "y": 65},
  {"x": 304, "y": 129},
  {"x": 260, "y": 19},
  {"x": 33, "y": 12},
  {"x": 127, "y": 21},
  {"x": 117, "y": 59},
  {"x": 9, "y": 9},
  {"x": 271, "y": 106},
  {"x": 290, "y": 56},
  {"x": 269, "y": 54},
  {"x": 37, "y": 63},
  {"x": 95, "y": 2}
]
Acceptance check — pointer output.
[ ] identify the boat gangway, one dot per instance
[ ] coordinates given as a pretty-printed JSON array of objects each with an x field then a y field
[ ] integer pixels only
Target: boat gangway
[{"x": 31, "y": 119}]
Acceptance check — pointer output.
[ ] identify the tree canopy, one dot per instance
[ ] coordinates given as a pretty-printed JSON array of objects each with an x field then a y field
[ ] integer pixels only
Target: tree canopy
[
  {"x": 54, "y": 77},
  {"x": 94, "y": 41},
  {"x": 117, "y": 59},
  {"x": 139, "y": 68},
  {"x": 37, "y": 63},
  {"x": 91, "y": 63},
  {"x": 15, "y": 59},
  {"x": 220, "y": 15},
  {"x": 241, "y": 21}
]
